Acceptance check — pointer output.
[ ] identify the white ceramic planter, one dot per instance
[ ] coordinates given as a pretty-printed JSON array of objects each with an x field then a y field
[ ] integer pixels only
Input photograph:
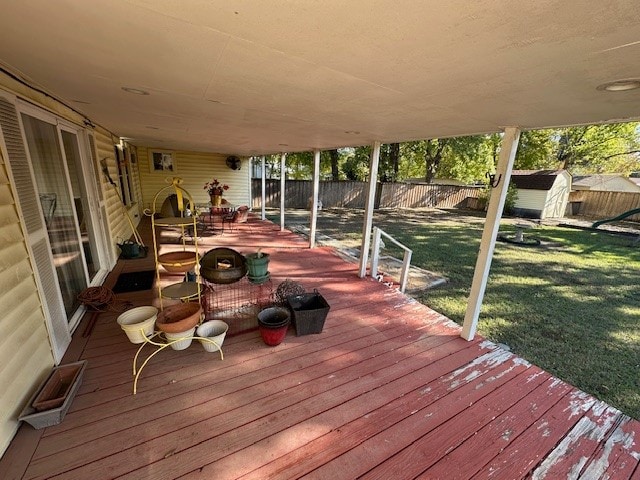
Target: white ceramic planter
[
  {"x": 214, "y": 330},
  {"x": 184, "y": 339},
  {"x": 138, "y": 323}
]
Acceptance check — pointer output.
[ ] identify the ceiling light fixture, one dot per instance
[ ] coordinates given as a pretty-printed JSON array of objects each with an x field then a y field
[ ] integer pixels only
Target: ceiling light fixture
[
  {"x": 151, "y": 127},
  {"x": 620, "y": 85},
  {"x": 135, "y": 91},
  {"x": 351, "y": 132}
]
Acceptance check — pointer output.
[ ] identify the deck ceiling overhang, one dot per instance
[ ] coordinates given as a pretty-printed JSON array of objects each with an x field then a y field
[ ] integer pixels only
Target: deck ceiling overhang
[{"x": 248, "y": 77}]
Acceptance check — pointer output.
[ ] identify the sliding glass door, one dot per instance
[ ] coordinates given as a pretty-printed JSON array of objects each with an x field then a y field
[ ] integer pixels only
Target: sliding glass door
[
  {"x": 56, "y": 160},
  {"x": 52, "y": 183},
  {"x": 81, "y": 202}
]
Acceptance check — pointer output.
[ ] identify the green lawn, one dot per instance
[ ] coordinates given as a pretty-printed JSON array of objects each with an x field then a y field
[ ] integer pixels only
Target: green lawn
[{"x": 570, "y": 306}]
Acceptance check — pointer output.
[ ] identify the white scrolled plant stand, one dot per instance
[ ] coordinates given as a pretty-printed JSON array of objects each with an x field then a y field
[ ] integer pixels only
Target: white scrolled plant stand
[{"x": 161, "y": 346}]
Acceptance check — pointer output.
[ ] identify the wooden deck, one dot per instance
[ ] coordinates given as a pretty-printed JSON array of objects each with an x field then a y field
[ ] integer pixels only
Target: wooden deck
[{"x": 388, "y": 390}]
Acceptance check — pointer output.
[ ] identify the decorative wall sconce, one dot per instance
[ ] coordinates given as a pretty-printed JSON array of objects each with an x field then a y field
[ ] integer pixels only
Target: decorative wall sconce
[{"x": 493, "y": 181}]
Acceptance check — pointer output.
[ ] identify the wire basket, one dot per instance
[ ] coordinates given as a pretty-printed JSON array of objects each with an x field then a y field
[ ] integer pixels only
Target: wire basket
[{"x": 237, "y": 304}]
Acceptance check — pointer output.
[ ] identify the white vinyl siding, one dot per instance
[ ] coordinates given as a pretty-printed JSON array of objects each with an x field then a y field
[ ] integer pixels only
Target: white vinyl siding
[{"x": 531, "y": 199}]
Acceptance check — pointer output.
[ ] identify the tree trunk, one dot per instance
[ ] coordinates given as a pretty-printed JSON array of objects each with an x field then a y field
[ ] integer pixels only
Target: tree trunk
[
  {"x": 335, "y": 173},
  {"x": 433, "y": 157},
  {"x": 564, "y": 152},
  {"x": 432, "y": 167},
  {"x": 394, "y": 158}
]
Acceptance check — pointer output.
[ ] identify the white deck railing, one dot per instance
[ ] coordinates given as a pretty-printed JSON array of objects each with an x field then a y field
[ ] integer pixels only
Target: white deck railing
[{"x": 375, "y": 254}]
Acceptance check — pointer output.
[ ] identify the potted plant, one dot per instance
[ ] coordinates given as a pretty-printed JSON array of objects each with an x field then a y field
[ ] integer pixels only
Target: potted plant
[
  {"x": 216, "y": 189},
  {"x": 178, "y": 322},
  {"x": 257, "y": 267}
]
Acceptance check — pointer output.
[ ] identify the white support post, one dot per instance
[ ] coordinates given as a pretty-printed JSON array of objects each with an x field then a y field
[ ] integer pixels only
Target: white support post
[
  {"x": 263, "y": 214},
  {"x": 492, "y": 224},
  {"x": 283, "y": 177},
  {"x": 406, "y": 264},
  {"x": 314, "y": 203},
  {"x": 368, "y": 214},
  {"x": 375, "y": 252}
]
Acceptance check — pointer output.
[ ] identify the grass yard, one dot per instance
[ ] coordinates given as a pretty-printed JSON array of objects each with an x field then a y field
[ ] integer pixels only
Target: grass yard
[{"x": 570, "y": 306}]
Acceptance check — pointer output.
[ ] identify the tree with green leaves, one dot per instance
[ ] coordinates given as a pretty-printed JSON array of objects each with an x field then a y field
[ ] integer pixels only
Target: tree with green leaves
[
  {"x": 584, "y": 149},
  {"x": 536, "y": 150},
  {"x": 591, "y": 148},
  {"x": 611, "y": 148},
  {"x": 463, "y": 158}
]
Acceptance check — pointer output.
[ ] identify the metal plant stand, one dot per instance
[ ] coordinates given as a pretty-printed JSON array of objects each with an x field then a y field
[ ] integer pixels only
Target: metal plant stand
[
  {"x": 184, "y": 291},
  {"x": 159, "y": 347}
]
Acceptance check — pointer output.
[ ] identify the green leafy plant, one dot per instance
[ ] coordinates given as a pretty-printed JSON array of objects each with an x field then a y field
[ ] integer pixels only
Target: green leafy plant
[{"x": 509, "y": 202}]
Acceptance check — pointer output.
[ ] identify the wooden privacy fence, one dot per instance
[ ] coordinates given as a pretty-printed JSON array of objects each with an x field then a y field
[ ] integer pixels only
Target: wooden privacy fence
[
  {"x": 603, "y": 205},
  {"x": 408, "y": 195},
  {"x": 354, "y": 194}
]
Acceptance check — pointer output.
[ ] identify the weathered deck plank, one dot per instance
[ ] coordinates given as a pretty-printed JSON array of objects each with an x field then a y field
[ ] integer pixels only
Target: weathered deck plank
[{"x": 491, "y": 439}]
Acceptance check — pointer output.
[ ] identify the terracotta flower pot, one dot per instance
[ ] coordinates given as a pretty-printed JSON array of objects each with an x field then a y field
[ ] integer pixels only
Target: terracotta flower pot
[
  {"x": 178, "y": 262},
  {"x": 179, "y": 318}
]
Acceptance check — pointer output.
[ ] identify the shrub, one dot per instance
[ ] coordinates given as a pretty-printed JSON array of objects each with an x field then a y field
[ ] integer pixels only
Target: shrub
[{"x": 510, "y": 200}]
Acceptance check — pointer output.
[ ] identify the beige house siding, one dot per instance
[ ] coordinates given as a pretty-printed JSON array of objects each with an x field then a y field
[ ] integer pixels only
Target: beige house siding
[
  {"x": 25, "y": 353},
  {"x": 195, "y": 169},
  {"x": 119, "y": 227}
]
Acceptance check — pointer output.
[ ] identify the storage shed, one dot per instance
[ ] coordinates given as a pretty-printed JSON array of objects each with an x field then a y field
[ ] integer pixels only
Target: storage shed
[{"x": 541, "y": 193}]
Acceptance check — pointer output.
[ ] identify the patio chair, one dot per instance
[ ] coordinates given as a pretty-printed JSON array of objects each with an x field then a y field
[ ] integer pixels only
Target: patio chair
[{"x": 239, "y": 215}]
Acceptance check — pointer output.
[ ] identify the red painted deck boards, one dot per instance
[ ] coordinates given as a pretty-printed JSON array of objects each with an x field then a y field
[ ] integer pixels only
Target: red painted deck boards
[{"x": 387, "y": 390}]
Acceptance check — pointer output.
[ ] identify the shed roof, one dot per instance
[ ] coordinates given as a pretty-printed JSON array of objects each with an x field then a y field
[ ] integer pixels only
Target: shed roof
[
  {"x": 601, "y": 180},
  {"x": 535, "y": 179}
]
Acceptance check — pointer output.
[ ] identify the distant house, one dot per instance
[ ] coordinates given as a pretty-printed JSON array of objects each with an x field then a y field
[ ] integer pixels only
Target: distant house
[
  {"x": 607, "y": 183},
  {"x": 541, "y": 193}
]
